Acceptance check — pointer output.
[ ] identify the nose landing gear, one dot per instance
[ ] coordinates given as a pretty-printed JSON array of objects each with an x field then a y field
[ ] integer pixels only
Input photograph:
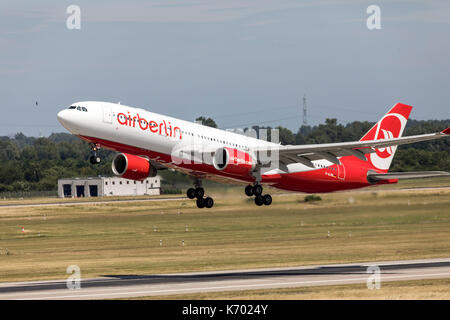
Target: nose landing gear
[{"x": 94, "y": 158}]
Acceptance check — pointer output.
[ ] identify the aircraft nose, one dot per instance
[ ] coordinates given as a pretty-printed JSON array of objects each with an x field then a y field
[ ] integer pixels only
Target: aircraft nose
[
  {"x": 60, "y": 116},
  {"x": 65, "y": 117}
]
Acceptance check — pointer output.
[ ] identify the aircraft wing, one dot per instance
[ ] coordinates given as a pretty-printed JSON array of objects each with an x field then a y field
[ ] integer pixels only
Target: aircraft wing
[
  {"x": 157, "y": 165},
  {"x": 331, "y": 151},
  {"x": 406, "y": 175}
]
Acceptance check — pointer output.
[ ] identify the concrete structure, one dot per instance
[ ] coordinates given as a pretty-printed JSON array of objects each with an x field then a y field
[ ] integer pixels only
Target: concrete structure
[{"x": 107, "y": 186}]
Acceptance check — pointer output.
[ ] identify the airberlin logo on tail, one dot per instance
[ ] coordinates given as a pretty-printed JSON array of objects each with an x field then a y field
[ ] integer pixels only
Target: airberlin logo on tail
[
  {"x": 161, "y": 128},
  {"x": 389, "y": 127},
  {"x": 388, "y": 151}
]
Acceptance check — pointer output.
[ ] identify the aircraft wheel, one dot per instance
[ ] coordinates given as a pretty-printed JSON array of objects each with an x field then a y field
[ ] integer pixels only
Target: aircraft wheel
[
  {"x": 259, "y": 201},
  {"x": 209, "y": 202},
  {"x": 94, "y": 159},
  {"x": 200, "y": 203},
  {"x": 267, "y": 199},
  {"x": 257, "y": 189},
  {"x": 190, "y": 193},
  {"x": 249, "y": 190},
  {"x": 199, "y": 193}
]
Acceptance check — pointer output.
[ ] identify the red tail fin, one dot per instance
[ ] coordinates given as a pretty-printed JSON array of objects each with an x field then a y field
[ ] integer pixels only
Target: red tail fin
[{"x": 390, "y": 126}]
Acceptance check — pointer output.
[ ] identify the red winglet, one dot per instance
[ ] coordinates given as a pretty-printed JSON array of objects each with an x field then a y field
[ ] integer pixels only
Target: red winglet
[{"x": 446, "y": 131}]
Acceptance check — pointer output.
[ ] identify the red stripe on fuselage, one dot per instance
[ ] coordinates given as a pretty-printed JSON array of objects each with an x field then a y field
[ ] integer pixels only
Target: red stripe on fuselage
[
  {"x": 197, "y": 168},
  {"x": 313, "y": 181}
]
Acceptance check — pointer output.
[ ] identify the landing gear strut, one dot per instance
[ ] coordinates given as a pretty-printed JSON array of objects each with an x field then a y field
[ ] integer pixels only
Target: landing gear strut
[
  {"x": 257, "y": 190},
  {"x": 199, "y": 193},
  {"x": 94, "y": 158}
]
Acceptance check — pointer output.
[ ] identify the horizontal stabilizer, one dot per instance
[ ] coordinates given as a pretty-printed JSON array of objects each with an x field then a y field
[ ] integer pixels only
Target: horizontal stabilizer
[{"x": 406, "y": 175}]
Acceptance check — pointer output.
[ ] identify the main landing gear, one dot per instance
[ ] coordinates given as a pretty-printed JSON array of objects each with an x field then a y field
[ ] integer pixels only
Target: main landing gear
[
  {"x": 94, "y": 158},
  {"x": 256, "y": 190},
  {"x": 198, "y": 193}
]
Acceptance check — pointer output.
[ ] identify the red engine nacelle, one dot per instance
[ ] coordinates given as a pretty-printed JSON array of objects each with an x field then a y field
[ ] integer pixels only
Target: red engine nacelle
[
  {"x": 233, "y": 161},
  {"x": 132, "y": 167}
]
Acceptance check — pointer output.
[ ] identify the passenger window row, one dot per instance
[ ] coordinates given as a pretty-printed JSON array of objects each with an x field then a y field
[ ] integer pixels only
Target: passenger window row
[
  {"x": 217, "y": 140},
  {"x": 328, "y": 167}
]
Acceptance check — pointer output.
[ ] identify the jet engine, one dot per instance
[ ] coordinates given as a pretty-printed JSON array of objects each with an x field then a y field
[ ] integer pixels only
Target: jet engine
[
  {"x": 132, "y": 167},
  {"x": 233, "y": 161}
]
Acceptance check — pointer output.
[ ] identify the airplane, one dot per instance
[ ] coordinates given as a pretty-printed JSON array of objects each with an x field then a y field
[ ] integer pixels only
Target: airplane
[{"x": 147, "y": 142}]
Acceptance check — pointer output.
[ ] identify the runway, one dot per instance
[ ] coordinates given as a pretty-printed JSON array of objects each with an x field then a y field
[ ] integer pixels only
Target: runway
[{"x": 127, "y": 286}]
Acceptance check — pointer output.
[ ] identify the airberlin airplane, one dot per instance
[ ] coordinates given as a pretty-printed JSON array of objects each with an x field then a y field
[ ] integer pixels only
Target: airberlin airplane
[{"x": 147, "y": 142}]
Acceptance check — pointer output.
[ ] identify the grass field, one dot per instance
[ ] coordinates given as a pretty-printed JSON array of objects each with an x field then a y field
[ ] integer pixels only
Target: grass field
[{"x": 124, "y": 238}]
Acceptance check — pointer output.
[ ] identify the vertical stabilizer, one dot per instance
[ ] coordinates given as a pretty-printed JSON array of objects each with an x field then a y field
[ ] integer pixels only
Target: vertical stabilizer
[{"x": 390, "y": 126}]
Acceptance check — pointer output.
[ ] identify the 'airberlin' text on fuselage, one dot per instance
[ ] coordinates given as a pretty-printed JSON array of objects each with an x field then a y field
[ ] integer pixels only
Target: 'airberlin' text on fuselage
[{"x": 152, "y": 126}]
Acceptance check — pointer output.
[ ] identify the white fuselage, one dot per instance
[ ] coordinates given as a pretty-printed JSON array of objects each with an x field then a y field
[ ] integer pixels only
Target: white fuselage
[
  {"x": 161, "y": 134},
  {"x": 120, "y": 123}
]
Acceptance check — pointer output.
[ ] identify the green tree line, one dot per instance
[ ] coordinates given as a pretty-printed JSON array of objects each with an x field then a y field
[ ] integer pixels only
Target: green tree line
[{"x": 29, "y": 163}]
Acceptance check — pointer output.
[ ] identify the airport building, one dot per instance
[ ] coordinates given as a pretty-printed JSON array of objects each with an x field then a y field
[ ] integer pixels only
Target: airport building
[{"x": 107, "y": 186}]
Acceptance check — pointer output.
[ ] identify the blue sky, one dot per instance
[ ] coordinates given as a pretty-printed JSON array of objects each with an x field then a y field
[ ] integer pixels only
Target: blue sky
[{"x": 240, "y": 62}]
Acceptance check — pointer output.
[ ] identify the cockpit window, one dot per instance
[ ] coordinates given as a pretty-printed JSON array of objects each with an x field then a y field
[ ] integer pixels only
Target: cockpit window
[{"x": 79, "y": 108}]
